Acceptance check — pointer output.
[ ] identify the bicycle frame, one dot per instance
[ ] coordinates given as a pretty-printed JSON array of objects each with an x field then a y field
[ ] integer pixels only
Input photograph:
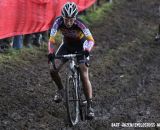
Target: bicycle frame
[
  {"x": 73, "y": 66},
  {"x": 73, "y": 78}
]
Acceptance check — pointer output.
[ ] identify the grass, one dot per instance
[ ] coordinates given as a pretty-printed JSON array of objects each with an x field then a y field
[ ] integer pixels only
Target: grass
[
  {"x": 98, "y": 15},
  {"x": 21, "y": 55}
]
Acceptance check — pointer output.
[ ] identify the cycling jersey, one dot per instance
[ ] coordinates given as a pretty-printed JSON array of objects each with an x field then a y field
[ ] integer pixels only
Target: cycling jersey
[{"x": 73, "y": 34}]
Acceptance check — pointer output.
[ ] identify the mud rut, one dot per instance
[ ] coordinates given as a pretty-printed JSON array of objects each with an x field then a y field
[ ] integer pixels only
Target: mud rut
[{"x": 126, "y": 86}]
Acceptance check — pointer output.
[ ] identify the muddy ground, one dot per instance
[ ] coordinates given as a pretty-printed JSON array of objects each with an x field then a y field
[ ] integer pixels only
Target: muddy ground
[{"x": 125, "y": 74}]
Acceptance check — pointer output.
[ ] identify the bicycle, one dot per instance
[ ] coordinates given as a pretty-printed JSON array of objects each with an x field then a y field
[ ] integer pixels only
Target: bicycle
[{"x": 76, "y": 103}]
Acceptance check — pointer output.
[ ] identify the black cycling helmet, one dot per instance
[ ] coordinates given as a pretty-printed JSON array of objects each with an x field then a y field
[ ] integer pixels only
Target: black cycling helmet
[{"x": 69, "y": 10}]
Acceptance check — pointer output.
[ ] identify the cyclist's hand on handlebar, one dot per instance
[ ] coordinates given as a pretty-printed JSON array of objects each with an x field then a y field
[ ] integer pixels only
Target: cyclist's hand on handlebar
[{"x": 51, "y": 57}]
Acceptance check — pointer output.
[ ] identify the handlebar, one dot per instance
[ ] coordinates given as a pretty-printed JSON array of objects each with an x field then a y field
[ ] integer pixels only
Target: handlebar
[
  {"x": 72, "y": 56},
  {"x": 68, "y": 56}
]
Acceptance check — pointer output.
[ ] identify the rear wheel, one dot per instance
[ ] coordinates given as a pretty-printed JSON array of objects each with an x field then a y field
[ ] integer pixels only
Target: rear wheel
[{"x": 72, "y": 102}]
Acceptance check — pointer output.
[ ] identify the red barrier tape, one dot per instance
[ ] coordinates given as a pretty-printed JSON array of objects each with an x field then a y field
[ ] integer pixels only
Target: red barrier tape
[{"x": 28, "y": 16}]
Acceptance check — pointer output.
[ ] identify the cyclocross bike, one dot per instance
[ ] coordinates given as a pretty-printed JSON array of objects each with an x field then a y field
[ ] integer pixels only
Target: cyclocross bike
[{"x": 76, "y": 103}]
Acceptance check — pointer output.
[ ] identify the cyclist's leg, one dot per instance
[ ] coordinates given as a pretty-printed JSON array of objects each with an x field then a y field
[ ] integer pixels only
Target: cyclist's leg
[
  {"x": 87, "y": 89},
  {"x": 56, "y": 67},
  {"x": 56, "y": 78},
  {"x": 85, "y": 81},
  {"x": 54, "y": 72},
  {"x": 84, "y": 73},
  {"x": 77, "y": 46}
]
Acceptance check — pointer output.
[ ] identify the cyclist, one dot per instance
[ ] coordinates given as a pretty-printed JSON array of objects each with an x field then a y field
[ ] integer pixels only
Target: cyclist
[{"x": 76, "y": 38}]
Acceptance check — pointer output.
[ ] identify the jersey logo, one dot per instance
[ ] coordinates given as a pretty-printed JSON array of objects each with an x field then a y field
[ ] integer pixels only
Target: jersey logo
[
  {"x": 87, "y": 32},
  {"x": 53, "y": 32},
  {"x": 69, "y": 33}
]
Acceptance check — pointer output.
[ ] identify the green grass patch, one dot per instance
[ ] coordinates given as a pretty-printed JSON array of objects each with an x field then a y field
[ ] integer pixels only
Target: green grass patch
[
  {"x": 93, "y": 16},
  {"x": 22, "y": 55}
]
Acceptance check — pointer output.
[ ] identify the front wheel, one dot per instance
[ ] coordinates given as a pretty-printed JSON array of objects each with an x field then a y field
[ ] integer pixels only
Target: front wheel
[{"x": 72, "y": 101}]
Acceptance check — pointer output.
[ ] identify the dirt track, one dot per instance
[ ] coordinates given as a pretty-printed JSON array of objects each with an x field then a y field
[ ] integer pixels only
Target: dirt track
[{"x": 125, "y": 75}]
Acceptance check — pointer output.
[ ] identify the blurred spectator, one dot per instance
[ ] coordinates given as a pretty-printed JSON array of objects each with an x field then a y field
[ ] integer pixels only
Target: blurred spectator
[
  {"x": 39, "y": 38},
  {"x": 5, "y": 44},
  {"x": 98, "y": 3},
  {"x": 18, "y": 42},
  {"x": 45, "y": 36},
  {"x": 36, "y": 39},
  {"x": 27, "y": 40}
]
